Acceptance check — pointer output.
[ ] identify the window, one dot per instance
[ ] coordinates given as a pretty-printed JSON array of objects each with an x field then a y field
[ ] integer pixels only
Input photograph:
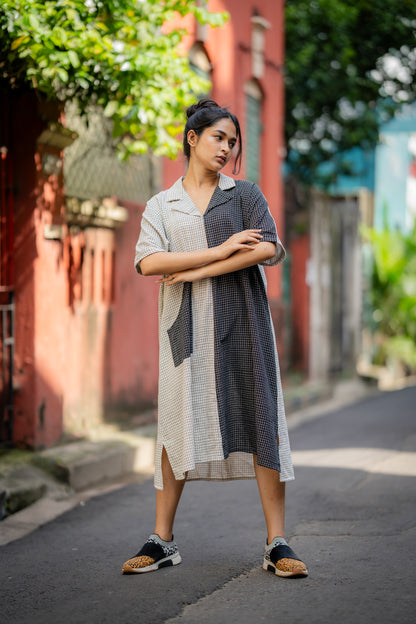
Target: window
[
  {"x": 199, "y": 61},
  {"x": 254, "y": 129},
  {"x": 259, "y": 26}
]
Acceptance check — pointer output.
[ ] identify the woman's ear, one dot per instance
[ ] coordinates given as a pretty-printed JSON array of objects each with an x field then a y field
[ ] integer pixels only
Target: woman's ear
[{"x": 192, "y": 138}]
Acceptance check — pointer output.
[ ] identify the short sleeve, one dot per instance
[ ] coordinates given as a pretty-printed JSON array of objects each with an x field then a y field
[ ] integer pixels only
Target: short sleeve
[
  {"x": 152, "y": 238},
  {"x": 258, "y": 217}
]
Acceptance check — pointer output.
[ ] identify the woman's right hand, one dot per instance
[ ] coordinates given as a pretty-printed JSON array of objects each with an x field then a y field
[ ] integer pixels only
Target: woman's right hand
[{"x": 247, "y": 239}]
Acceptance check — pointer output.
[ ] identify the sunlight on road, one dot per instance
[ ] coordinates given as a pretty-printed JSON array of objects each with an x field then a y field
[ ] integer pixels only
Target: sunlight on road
[{"x": 382, "y": 461}]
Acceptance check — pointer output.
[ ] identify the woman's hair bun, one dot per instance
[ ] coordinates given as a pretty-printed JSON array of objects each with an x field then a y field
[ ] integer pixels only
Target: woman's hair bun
[{"x": 203, "y": 103}]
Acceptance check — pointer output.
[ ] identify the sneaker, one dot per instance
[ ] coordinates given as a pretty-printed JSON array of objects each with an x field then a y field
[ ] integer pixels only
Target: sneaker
[
  {"x": 280, "y": 559},
  {"x": 155, "y": 554}
]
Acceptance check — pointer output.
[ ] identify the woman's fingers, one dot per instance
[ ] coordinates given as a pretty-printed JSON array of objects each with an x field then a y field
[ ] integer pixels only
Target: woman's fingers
[
  {"x": 245, "y": 240},
  {"x": 166, "y": 279},
  {"x": 175, "y": 278},
  {"x": 256, "y": 233},
  {"x": 248, "y": 237},
  {"x": 245, "y": 236},
  {"x": 252, "y": 234}
]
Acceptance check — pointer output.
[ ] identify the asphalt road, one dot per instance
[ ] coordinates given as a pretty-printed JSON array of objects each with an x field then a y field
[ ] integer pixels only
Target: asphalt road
[{"x": 351, "y": 515}]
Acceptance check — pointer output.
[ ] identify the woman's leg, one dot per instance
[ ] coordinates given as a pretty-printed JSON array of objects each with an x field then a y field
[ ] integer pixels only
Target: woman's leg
[
  {"x": 167, "y": 500},
  {"x": 272, "y": 494},
  {"x": 155, "y": 554},
  {"x": 279, "y": 557}
]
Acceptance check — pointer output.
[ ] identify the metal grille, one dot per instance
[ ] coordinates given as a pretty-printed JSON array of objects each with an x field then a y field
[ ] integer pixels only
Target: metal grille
[{"x": 6, "y": 383}]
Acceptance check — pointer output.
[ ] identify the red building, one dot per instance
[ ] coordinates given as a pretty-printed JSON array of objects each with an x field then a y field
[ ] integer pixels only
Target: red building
[{"x": 85, "y": 325}]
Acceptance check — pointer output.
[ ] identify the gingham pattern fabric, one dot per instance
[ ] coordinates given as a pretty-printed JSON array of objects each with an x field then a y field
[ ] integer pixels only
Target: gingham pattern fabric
[{"x": 220, "y": 397}]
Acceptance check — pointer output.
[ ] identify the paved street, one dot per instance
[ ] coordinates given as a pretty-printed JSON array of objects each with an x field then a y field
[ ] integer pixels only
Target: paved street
[{"x": 351, "y": 516}]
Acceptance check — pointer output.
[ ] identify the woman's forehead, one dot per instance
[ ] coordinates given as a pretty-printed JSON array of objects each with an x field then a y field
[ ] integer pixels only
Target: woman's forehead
[{"x": 226, "y": 126}]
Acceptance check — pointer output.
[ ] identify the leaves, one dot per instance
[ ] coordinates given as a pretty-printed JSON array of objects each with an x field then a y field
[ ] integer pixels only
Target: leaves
[
  {"x": 114, "y": 52},
  {"x": 73, "y": 57},
  {"x": 341, "y": 81},
  {"x": 393, "y": 294}
]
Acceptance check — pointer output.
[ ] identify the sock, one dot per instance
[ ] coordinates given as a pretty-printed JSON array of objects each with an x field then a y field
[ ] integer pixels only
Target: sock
[{"x": 275, "y": 542}]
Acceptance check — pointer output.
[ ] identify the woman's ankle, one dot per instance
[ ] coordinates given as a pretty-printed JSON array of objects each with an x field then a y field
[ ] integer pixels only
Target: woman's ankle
[{"x": 166, "y": 536}]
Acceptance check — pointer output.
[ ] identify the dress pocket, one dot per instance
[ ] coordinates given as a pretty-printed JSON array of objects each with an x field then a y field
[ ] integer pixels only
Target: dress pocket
[{"x": 181, "y": 332}]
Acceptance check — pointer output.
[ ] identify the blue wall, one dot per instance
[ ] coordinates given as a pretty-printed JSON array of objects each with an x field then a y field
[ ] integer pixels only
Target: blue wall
[
  {"x": 384, "y": 171},
  {"x": 362, "y": 164},
  {"x": 392, "y": 169}
]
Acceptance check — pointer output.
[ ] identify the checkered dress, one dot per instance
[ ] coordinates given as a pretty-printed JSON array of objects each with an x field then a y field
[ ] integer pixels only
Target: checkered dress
[{"x": 220, "y": 397}]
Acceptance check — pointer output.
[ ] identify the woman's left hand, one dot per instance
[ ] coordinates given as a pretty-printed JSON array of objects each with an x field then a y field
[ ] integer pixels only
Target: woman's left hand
[{"x": 191, "y": 275}]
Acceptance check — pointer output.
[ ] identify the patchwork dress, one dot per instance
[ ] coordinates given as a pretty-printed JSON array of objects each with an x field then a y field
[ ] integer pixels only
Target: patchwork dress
[{"x": 220, "y": 397}]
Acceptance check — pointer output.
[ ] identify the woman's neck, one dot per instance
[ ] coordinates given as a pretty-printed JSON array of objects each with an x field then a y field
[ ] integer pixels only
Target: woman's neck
[{"x": 196, "y": 177}]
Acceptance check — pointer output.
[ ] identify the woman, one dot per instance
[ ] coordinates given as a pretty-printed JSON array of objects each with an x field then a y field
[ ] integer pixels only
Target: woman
[{"x": 221, "y": 413}]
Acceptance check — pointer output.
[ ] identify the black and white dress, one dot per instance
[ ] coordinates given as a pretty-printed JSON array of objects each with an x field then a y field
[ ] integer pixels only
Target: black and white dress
[{"x": 220, "y": 396}]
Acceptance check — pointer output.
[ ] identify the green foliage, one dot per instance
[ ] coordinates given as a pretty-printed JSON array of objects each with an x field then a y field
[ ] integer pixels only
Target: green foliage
[
  {"x": 349, "y": 65},
  {"x": 393, "y": 296},
  {"x": 117, "y": 54}
]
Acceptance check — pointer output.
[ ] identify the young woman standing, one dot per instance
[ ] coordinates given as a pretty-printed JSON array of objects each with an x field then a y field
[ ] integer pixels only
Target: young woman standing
[{"x": 220, "y": 408}]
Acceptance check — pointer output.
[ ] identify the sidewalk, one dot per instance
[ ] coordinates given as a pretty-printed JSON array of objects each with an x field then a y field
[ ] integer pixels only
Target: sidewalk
[{"x": 42, "y": 485}]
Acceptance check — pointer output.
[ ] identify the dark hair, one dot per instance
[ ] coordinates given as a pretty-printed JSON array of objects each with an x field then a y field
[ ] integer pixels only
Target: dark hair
[{"x": 204, "y": 114}]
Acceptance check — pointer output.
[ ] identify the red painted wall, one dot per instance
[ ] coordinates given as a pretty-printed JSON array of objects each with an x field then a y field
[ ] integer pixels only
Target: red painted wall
[{"x": 134, "y": 324}]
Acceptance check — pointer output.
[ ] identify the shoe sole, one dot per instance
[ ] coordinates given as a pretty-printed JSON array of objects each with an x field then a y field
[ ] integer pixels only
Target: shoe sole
[
  {"x": 270, "y": 567},
  {"x": 162, "y": 563}
]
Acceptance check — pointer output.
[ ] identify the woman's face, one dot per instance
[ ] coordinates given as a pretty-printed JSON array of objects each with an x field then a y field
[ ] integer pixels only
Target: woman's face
[{"x": 214, "y": 147}]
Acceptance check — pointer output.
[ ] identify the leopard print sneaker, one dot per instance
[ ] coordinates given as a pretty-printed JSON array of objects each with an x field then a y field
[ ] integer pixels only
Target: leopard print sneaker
[
  {"x": 155, "y": 554},
  {"x": 280, "y": 559}
]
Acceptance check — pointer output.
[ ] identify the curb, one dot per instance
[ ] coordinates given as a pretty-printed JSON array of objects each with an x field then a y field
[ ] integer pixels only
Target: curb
[
  {"x": 84, "y": 464},
  {"x": 61, "y": 471}
]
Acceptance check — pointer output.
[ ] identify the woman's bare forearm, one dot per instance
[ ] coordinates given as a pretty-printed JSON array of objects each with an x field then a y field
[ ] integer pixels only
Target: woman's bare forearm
[
  {"x": 163, "y": 262},
  {"x": 240, "y": 260},
  {"x": 168, "y": 262}
]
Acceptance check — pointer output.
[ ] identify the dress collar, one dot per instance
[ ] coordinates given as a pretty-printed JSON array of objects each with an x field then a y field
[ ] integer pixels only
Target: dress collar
[{"x": 176, "y": 192}]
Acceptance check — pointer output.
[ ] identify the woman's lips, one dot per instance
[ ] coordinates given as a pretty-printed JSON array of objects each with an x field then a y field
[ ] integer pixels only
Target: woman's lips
[{"x": 221, "y": 159}]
